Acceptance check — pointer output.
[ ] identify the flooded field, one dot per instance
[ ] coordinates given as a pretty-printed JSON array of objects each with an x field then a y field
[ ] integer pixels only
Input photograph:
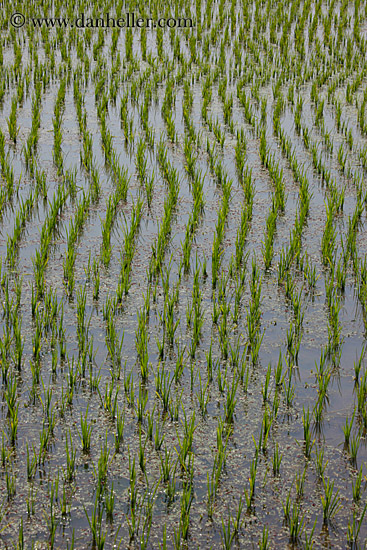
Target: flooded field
[{"x": 183, "y": 278}]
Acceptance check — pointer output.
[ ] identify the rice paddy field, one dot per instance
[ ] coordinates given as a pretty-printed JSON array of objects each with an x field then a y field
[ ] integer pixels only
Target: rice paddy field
[{"x": 183, "y": 279}]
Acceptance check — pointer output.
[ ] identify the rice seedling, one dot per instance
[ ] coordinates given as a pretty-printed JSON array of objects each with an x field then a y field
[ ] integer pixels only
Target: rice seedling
[
  {"x": 319, "y": 462},
  {"x": 356, "y": 487},
  {"x": 32, "y": 464},
  {"x": 31, "y": 501},
  {"x": 289, "y": 392},
  {"x": 186, "y": 502},
  {"x": 265, "y": 386},
  {"x": 296, "y": 523},
  {"x": 95, "y": 524},
  {"x": 347, "y": 428},
  {"x": 354, "y": 527},
  {"x": 354, "y": 443},
  {"x": 10, "y": 484},
  {"x": 249, "y": 495},
  {"x": 330, "y": 501},
  {"x": 203, "y": 397},
  {"x": 300, "y": 483},
  {"x": 264, "y": 542},
  {"x": 227, "y": 535},
  {"x": 86, "y": 433},
  {"x": 308, "y": 443},
  {"x": 230, "y": 402},
  {"x": 158, "y": 437},
  {"x": 70, "y": 458},
  {"x": 277, "y": 460},
  {"x": 12, "y": 121}
]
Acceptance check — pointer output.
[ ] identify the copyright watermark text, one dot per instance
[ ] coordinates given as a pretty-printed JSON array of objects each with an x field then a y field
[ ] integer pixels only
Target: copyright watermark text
[{"x": 129, "y": 21}]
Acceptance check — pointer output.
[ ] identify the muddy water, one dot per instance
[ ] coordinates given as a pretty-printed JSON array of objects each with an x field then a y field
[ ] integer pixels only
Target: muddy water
[{"x": 277, "y": 315}]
